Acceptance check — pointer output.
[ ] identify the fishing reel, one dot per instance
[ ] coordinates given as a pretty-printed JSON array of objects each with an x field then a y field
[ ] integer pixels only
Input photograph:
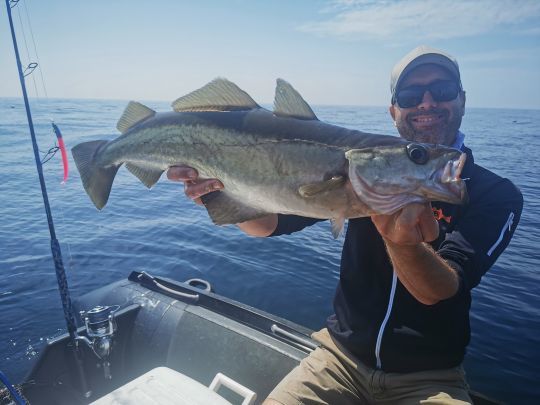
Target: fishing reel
[{"x": 100, "y": 327}]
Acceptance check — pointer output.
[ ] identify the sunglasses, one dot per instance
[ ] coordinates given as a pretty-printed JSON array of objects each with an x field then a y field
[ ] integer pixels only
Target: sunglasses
[{"x": 442, "y": 90}]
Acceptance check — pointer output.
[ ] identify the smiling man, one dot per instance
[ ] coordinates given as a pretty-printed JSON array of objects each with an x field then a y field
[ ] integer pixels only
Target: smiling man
[
  {"x": 401, "y": 322},
  {"x": 427, "y": 98}
]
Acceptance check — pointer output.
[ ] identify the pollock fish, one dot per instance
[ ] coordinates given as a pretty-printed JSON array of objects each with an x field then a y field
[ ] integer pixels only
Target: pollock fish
[{"x": 281, "y": 161}]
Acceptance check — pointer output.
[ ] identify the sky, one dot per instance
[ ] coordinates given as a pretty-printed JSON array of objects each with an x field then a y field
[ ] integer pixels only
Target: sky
[{"x": 334, "y": 52}]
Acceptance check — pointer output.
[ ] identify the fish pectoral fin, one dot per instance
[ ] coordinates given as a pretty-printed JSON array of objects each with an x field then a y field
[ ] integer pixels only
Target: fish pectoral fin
[
  {"x": 289, "y": 103},
  {"x": 312, "y": 189},
  {"x": 218, "y": 95},
  {"x": 133, "y": 114},
  {"x": 148, "y": 177},
  {"x": 337, "y": 226},
  {"x": 224, "y": 210}
]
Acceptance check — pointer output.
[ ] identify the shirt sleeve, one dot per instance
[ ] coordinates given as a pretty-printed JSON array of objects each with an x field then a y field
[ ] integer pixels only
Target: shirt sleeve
[
  {"x": 288, "y": 224},
  {"x": 483, "y": 232}
]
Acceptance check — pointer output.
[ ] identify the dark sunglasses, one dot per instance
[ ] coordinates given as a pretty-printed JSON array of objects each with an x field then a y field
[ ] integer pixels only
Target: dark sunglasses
[{"x": 442, "y": 90}]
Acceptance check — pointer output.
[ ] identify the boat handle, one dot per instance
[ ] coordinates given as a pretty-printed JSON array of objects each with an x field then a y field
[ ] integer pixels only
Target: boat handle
[
  {"x": 295, "y": 338},
  {"x": 221, "y": 379},
  {"x": 198, "y": 282},
  {"x": 148, "y": 277}
]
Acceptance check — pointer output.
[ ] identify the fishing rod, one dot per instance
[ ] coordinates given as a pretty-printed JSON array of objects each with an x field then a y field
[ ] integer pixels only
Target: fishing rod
[{"x": 55, "y": 246}]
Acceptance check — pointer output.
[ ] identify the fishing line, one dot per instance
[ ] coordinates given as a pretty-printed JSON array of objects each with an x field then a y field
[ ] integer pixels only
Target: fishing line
[
  {"x": 31, "y": 66},
  {"x": 35, "y": 51},
  {"x": 28, "y": 71}
]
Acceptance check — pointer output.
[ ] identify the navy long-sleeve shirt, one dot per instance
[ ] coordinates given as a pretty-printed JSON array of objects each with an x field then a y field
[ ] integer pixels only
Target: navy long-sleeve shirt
[{"x": 378, "y": 320}]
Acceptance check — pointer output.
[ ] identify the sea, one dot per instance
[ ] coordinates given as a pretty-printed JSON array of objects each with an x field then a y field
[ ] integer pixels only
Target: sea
[{"x": 160, "y": 231}]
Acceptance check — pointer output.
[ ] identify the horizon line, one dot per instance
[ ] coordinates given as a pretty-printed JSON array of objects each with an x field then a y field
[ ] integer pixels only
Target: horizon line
[{"x": 45, "y": 99}]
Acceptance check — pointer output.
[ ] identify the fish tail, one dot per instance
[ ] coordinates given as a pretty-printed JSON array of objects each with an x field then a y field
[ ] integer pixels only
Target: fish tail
[{"x": 97, "y": 180}]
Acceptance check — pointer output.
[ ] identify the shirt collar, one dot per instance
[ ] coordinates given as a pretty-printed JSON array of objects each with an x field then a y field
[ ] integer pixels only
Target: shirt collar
[{"x": 460, "y": 138}]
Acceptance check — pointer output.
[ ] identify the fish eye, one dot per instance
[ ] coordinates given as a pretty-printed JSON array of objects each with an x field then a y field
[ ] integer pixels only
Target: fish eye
[{"x": 417, "y": 153}]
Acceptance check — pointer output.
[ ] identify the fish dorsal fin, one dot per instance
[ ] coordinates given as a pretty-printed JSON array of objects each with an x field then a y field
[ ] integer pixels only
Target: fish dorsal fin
[
  {"x": 218, "y": 95},
  {"x": 289, "y": 103},
  {"x": 133, "y": 114}
]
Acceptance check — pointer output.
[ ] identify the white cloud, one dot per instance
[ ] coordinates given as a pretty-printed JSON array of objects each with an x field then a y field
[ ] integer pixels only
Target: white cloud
[
  {"x": 502, "y": 55},
  {"x": 426, "y": 19},
  {"x": 530, "y": 31}
]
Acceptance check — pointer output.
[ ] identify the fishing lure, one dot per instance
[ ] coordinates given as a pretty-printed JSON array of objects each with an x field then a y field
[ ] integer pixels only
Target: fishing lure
[
  {"x": 62, "y": 148},
  {"x": 439, "y": 215}
]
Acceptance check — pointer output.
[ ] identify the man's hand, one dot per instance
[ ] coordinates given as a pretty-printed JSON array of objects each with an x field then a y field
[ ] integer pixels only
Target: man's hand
[
  {"x": 419, "y": 268},
  {"x": 413, "y": 224},
  {"x": 194, "y": 187}
]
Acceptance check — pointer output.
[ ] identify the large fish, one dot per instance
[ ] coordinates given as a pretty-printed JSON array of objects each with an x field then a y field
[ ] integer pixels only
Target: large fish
[{"x": 282, "y": 161}]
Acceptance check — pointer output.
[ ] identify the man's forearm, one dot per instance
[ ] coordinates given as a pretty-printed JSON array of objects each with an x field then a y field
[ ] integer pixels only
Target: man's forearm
[
  {"x": 423, "y": 273},
  {"x": 260, "y": 227}
]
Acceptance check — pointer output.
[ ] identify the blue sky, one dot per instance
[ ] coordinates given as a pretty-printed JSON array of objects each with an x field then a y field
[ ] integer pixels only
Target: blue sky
[{"x": 333, "y": 52}]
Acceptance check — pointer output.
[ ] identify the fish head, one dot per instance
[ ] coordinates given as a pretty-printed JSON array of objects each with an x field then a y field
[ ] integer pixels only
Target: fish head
[{"x": 387, "y": 178}]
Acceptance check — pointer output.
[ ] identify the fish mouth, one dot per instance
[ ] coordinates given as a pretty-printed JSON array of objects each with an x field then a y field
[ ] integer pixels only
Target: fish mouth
[
  {"x": 440, "y": 182},
  {"x": 453, "y": 188}
]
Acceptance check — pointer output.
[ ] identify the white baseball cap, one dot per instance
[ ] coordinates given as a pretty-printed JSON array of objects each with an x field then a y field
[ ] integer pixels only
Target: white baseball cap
[{"x": 422, "y": 55}]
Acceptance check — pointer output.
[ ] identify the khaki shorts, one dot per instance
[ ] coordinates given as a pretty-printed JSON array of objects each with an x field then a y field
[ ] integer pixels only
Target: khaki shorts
[{"x": 330, "y": 375}]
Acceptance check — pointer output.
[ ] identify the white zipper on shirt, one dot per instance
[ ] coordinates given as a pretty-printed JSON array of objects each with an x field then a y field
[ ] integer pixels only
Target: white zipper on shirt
[
  {"x": 507, "y": 226},
  {"x": 385, "y": 321}
]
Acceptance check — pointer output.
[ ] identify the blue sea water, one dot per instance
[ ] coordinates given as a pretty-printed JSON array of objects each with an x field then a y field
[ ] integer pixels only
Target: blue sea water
[{"x": 160, "y": 231}]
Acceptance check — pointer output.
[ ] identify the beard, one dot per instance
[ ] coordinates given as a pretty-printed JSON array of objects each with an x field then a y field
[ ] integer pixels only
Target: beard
[{"x": 443, "y": 132}]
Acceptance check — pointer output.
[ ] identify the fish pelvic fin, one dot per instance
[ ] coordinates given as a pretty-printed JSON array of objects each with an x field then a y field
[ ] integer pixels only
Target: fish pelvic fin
[
  {"x": 148, "y": 177},
  {"x": 218, "y": 95},
  {"x": 134, "y": 114},
  {"x": 337, "y": 226},
  {"x": 97, "y": 181},
  {"x": 224, "y": 210},
  {"x": 289, "y": 103}
]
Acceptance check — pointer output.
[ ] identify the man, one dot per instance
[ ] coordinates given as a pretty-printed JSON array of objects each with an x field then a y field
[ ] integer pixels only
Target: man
[{"x": 401, "y": 322}]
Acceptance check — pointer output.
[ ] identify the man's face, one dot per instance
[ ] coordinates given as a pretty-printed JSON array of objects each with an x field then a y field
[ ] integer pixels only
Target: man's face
[{"x": 430, "y": 121}]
